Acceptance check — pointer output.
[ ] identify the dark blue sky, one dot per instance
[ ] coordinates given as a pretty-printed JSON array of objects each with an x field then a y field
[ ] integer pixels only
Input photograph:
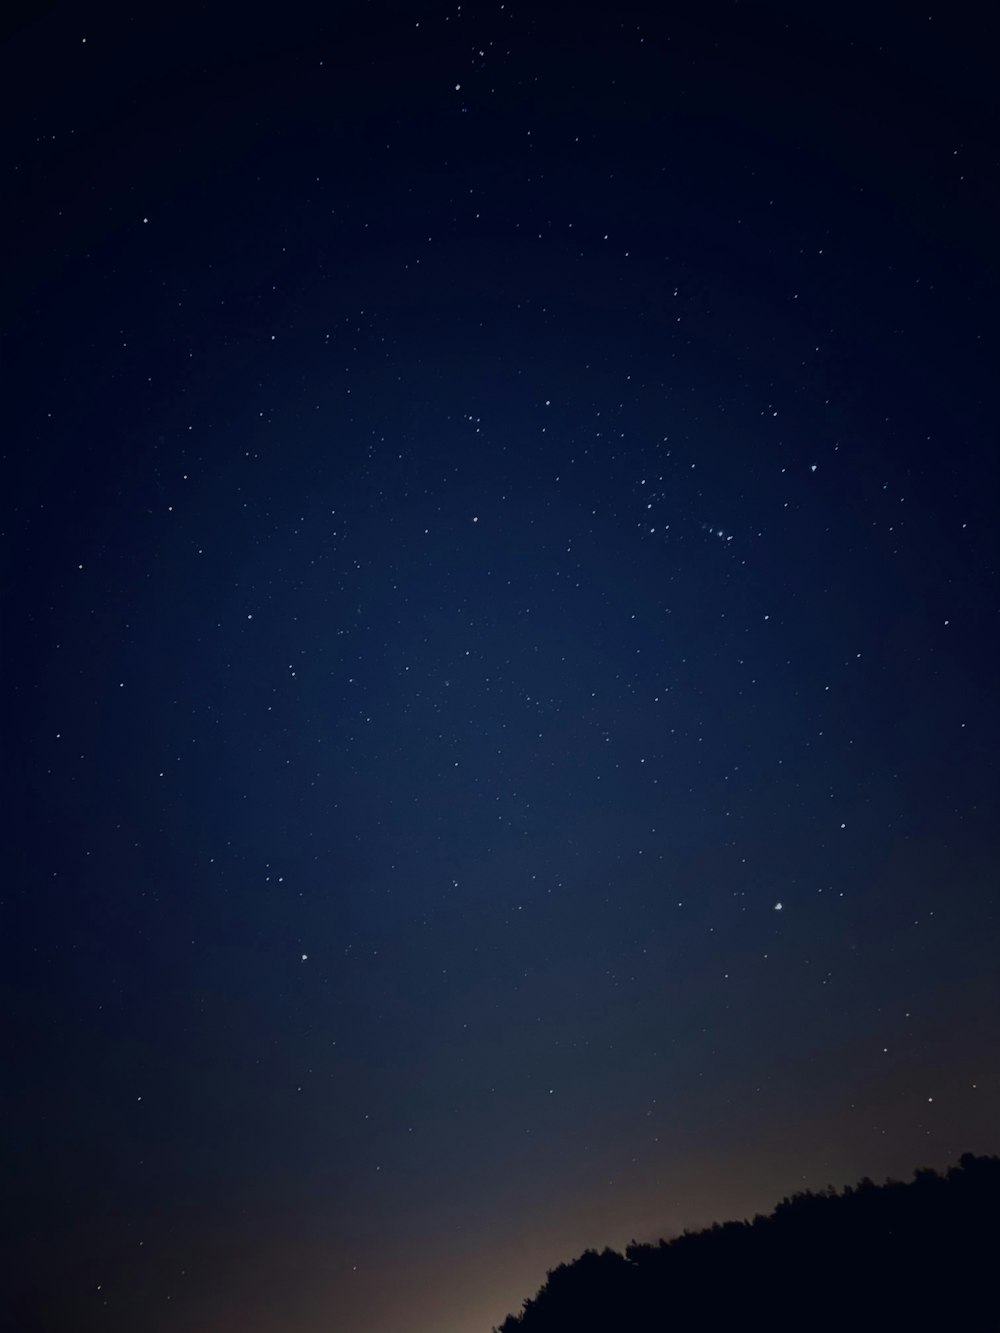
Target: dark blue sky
[{"x": 499, "y": 641}]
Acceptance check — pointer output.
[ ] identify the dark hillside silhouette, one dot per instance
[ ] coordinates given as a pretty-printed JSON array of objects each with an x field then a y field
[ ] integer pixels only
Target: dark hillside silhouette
[{"x": 898, "y": 1256}]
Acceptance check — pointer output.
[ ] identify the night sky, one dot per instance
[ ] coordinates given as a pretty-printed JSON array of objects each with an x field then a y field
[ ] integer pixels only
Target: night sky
[{"x": 499, "y": 640}]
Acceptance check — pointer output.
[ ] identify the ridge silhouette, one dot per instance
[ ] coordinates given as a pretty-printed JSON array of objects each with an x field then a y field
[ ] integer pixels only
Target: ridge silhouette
[{"x": 898, "y": 1256}]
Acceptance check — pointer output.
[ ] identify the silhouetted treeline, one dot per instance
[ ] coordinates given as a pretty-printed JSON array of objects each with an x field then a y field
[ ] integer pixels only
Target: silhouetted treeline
[{"x": 898, "y": 1256}]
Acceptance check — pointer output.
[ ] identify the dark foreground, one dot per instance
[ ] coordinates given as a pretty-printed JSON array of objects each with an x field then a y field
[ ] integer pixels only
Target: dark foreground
[{"x": 904, "y": 1256}]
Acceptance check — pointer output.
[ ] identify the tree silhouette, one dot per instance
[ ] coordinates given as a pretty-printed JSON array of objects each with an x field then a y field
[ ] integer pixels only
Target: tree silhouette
[{"x": 896, "y": 1256}]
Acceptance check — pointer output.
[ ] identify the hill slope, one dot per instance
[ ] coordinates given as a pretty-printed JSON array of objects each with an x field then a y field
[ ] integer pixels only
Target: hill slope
[{"x": 897, "y": 1256}]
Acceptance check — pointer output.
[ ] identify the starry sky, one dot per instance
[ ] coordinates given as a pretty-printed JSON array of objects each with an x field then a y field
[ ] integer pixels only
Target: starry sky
[{"x": 499, "y": 640}]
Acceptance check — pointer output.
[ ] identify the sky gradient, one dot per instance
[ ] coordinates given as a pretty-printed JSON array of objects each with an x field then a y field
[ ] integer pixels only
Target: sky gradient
[{"x": 499, "y": 641}]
